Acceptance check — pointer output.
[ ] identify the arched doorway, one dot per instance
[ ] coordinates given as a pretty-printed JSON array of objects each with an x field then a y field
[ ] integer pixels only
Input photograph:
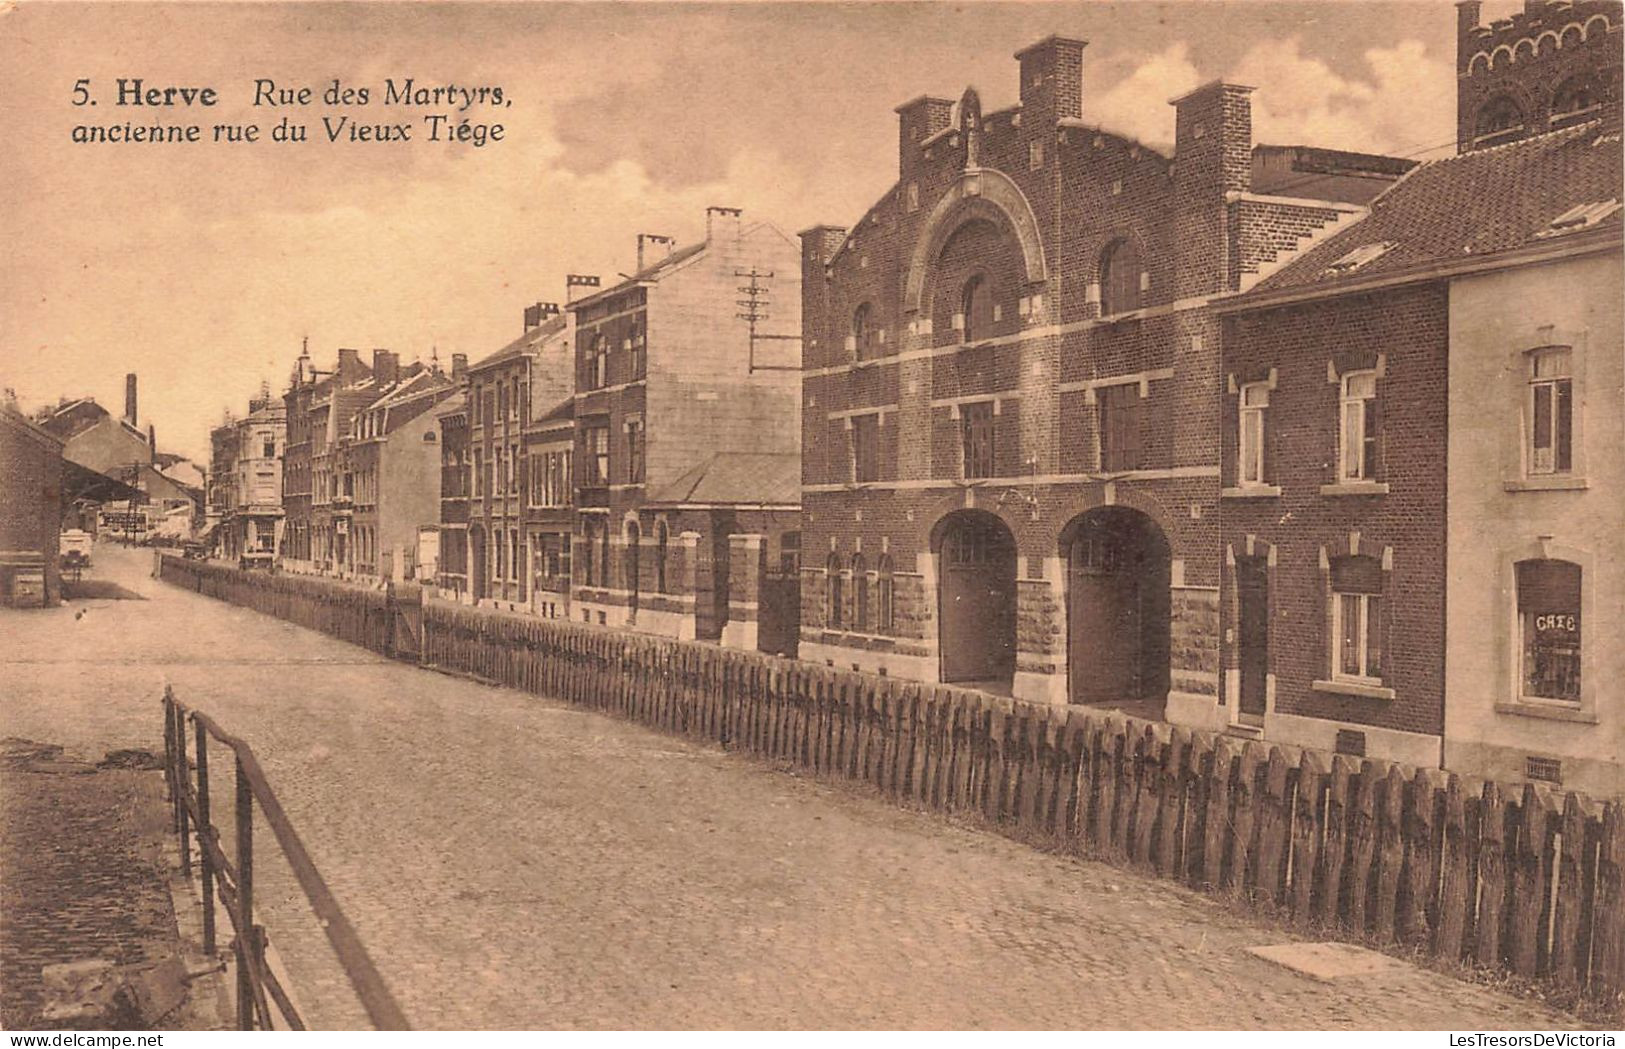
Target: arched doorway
[
  {"x": 1117, "y": 607},
  {"x": 476, "y": 562},
  {"x": 976, "y": 589}
]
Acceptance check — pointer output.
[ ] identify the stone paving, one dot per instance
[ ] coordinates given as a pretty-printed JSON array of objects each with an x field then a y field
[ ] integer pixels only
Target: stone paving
[{"x": 512, "y": 862}]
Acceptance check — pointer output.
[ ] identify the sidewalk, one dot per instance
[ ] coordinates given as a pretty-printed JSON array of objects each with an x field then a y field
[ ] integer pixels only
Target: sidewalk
[{"x": 88, "y": 936}]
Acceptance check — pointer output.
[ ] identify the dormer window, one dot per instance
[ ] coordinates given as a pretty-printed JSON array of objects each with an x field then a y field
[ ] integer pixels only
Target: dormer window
[
  {"x": 1579, "y": 217},
  {"x": 1353, "y": 260},
  {"x": 1120, "y": 282}
]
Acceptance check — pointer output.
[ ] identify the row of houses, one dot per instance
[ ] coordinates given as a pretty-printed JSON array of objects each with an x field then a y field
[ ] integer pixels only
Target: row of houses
[{"x": 1287, "y": 441}]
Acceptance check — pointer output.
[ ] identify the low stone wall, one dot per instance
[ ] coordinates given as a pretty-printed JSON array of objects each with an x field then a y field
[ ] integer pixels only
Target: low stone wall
[{"x": 1519, "y": 880}]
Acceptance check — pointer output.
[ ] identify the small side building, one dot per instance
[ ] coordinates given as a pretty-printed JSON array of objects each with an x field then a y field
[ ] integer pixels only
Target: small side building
[{"x": 30, "y": 512}]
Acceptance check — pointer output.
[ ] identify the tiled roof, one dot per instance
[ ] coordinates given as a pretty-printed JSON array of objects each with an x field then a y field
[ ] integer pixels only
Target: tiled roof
[
  {"x": 530, "y": 342},
  {"x": 731, "y": 478},
  {"x": 1466, "y": 206}
]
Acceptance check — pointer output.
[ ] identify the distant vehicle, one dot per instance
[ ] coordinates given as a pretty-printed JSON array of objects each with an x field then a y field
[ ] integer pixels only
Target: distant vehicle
[{"x": 73, "y": 549}]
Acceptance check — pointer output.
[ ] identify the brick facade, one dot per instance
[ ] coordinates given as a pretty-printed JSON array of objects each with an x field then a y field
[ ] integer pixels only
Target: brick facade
[{"x": 1039, "y": 417}]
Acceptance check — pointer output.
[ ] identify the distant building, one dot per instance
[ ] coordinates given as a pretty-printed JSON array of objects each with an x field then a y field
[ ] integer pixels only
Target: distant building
[
  {"x": 319, "y": 408},
  {"x": 31, "y": 478},
  {"x": 245, "y": 486},
  {"x": 549, "y": 442},
  {"x": 395, "y": 456},
  {"x": 687, "y": 439},
  {"x": 1550, "y": 66},
  {"x": 504, "y": 391},
  {"x": 93, "y": 438},
  {"x": 456, "y": 481}
]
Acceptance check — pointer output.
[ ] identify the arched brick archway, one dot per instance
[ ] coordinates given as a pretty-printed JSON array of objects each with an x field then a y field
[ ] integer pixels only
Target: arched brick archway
[
  {"x": 1118, "y": 606},
  {"x": 977, "y": 194}
]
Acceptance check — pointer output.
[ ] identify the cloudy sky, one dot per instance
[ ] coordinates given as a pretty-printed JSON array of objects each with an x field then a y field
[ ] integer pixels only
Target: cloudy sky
[{"x": 201, "y": 267}]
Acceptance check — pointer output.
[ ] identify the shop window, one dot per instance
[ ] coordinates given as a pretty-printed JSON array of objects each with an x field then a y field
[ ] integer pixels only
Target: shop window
[
  {"x": 1357, "y": 624},
  {"x": 1549, "y": 629}
]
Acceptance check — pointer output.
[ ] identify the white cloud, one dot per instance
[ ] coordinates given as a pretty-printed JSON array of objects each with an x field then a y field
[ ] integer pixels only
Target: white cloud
[{"x": 1137, "y": 105}]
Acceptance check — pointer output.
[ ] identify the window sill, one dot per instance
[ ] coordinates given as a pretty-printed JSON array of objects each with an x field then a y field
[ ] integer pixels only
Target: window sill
[
  {"x": 1252, "y": 491},
  {"x": 1552, "y": 483},
  {"x": 1352, "y": 688},
  {"x": 1355, "y": 488},
  {"x": 1552, "y": 710}
]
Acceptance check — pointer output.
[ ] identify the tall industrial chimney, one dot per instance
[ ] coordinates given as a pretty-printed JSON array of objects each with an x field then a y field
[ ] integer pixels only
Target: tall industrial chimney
[{"x": 129, "y": 399}]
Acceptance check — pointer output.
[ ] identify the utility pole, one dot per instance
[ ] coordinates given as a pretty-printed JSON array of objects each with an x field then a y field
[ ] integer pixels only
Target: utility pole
[{"x": 755, "y": 310}]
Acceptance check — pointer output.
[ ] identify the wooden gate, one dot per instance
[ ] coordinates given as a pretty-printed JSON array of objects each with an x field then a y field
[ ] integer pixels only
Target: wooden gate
[{"x": 1252, "y": 597}]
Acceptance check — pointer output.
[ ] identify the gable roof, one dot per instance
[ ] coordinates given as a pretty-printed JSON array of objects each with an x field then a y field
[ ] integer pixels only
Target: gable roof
[
  {"x": 1464, "y": 207},
  {"x": 530, "y": 343},
  {"x": 737, "y": 478}
]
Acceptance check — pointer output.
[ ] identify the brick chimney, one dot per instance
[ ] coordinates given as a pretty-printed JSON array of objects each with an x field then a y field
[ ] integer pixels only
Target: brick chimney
[
  {"x": 540, "y": 312},
  {"x": 349, "y": 368},
  {"x": 579, "y": 286},
  {"x": 818, "y": 245},
  {"x": 1213, "y": 155},
  {"x": 723, "y": 222},
  {"x": 129, "y": 399},
  {"x": 653, "y": 238},
  {"x": 917, "y": 121},
  {"x": 459, "y": 366},
  {"x": 386, "y": 367},
  {"x": 1051, "y": 81}
]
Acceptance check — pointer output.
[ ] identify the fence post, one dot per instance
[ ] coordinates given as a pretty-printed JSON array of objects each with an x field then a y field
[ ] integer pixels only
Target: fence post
[
  {"x": 245, "y": 899},
  {"x": 205, "y": 827},
  {"x": 181, "y": 775}
]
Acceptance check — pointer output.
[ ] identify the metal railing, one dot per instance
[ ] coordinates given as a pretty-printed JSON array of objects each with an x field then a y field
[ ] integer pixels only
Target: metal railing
[{"x": 233, "y": 883}]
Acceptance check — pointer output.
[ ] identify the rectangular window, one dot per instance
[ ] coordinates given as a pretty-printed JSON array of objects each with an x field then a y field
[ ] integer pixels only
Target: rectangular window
[
  {"x": 596, "y": 441},
  {"x": 1255, "y": 398},
  {"x": 1119, "y": 426},
  {"x": 976, "y": 439},
  {"x": 1549, "y": 622},
  {"x": 1360, "y": 427},
  {"x": 1551, "y": 413},
  {"x": 1357, "y": 619},
  {"x": 517, "y": 470},
  {"x": 866, "y": 448},
  {"x": 634, "y": 451}
]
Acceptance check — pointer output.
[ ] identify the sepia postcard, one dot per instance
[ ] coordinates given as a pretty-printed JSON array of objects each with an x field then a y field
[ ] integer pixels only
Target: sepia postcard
[{"x": 812, "y": 516}]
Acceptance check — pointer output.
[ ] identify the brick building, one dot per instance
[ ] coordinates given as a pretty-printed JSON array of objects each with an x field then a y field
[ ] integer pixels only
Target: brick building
[
  {"x": 549, "y": 443},
  {"x": 1549, "y": 66},
  {"x": 1010, "y": 433},
  {"x": 395, "y": 455},
  {"x": 451, "y": 569},
  {"x": 31, "y": 475},
  {"x": 245, "y": 482},
  {"x": 1407, "y": 450},
  {"x": 317, "y": 506},
  {"x": 503, "y": 392},
  {"x": 687, "y": 440}
]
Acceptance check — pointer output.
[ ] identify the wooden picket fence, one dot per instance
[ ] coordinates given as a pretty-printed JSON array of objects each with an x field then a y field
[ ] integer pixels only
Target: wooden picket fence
[{"x": 1520, "y": 880}]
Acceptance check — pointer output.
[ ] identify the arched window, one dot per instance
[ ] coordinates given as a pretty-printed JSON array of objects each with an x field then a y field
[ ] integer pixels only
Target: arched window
[
  {"x": 662, "y": 538},
  {"x": 885, "y": 617},
  {"x": 589, "y": 570},
  {"x": 603, "y": 554},
  {"x": 1119, "y": 278},
  {"x": 865, "y": 336},
  {"x": 976, "y": 307},
  {"x": 860, "y": 594},
  {"x": 634, "y": 535},
  {"x": 1499, "y": 116},
  {"x": 1573, "y": 97},
  {"x": 833, "y": 596}
]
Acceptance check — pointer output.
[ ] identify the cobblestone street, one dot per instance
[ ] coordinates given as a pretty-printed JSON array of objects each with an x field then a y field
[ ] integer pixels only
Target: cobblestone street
[{"x": 515, "y": 863}]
